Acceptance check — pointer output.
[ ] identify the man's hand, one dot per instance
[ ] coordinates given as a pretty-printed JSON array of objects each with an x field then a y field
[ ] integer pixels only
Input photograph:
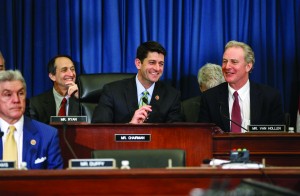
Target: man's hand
[
  {"x": 73, "y": 89},
  {"x": 141, "y": 115}
]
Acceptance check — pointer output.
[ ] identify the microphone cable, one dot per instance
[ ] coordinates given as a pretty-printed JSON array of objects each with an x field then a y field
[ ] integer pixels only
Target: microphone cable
[
  {"x": 66, "y": 140},
  {"x": 223, "y": 115}
]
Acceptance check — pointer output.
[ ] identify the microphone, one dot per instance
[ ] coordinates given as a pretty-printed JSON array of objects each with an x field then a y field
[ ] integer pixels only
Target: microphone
[
  {"x": 221, "y": 103},
  {"x": 1, "y": 133},
  {"x": 145, "y": 100},
  {"x": 287, "y": 120}
]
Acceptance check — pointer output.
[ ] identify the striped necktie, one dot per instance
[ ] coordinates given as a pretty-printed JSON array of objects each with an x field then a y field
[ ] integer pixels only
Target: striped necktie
[{"x": 144, "y": 99}]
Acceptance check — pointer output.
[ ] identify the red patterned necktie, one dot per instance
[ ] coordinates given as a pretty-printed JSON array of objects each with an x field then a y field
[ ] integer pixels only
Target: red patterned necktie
[
  {"x": 236, "y": 114},
  {"x": 62, "y": 110}
]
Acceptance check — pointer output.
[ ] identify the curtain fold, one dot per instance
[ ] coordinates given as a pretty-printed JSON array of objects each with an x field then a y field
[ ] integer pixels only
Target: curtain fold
[{"x": 102, "y": 36}]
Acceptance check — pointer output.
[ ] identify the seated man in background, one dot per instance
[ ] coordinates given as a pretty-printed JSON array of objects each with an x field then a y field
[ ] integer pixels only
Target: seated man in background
[
  {"x": 238, "y": 99},
  {"x": 2, "y": 62},
  {"x": 209, "y": 75},
  {"x": 24, "y": 139},
  {"x": 62, "y": 99},
  {"x": 143, "y": 98}
]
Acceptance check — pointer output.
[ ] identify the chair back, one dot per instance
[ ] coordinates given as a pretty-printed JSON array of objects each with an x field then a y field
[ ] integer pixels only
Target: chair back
[
  {"x": 90, "y": 88},
  {"x": 158, "y": 158}
]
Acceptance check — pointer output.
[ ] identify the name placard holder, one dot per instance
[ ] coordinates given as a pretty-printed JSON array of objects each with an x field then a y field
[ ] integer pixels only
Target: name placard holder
[
  {"x": 132, "y": 137},
  {"x": 92, "y": 164},
  {"x": 266, "y": 128},
  {"x": 68, "y": 119},
  {"x": 7, "y": 165}
]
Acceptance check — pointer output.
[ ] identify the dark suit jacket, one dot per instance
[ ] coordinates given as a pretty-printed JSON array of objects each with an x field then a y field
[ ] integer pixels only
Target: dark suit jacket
[
  {"x": 42, "y": 106},
  {"x": 40, "y": 146},
  {"x": 190, "y": 109},
  {"x": 118, "y": 103},
  {"x": 265, "y": 106}
]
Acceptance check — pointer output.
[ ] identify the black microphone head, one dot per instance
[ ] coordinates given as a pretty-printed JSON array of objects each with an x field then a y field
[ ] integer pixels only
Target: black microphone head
[{"x": 1, "y": 133}]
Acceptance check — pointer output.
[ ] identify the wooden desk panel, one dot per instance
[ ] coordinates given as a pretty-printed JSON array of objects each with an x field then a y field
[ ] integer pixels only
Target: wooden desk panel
[
  {"x": 195, "y": 139},
  {"x": 136, "y": 181},
  {"x": 278, "y": 149}
]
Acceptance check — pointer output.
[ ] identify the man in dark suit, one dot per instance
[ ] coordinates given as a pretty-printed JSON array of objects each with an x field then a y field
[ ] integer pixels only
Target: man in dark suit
[
  {"x": 34, "y": 143},
  {"x": 209, "y": 75},
  {"x": 258, "y": 104},
  {"x": 143, "y": 98},
  {"x": 61, "y": 69}
]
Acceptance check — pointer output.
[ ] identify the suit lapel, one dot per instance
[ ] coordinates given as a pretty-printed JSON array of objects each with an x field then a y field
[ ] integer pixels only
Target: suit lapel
[
  {"x": 49, "y": 104},
  {"x": 255, "y": 103},
  {"x": 155, "y": 102},
  {"x": 30, "y": 141},
  {"x": 224, "y": 107},
  {"x": 131, "y": 96}
]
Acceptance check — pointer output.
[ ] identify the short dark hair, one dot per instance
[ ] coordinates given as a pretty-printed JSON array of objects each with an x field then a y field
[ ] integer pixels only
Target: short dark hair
[
  {"x": 150, "y": 46},
  {"x": 51, "y": 63}
]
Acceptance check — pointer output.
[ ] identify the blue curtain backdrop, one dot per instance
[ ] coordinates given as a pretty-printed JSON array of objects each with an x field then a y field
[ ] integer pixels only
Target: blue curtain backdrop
[{"x": 102, "y": 36}]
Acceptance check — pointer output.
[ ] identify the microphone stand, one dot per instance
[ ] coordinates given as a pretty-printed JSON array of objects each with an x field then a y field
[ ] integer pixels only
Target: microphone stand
[
  {"x": 230, "y": 119},
  {"x": 66, "y": 141}
]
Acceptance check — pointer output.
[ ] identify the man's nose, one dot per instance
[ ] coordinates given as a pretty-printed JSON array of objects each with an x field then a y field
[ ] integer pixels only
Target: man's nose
[{"x": 15, "y": 98}]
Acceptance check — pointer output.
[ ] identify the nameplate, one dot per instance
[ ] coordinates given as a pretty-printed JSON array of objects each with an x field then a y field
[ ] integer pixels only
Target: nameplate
[
  {"x": 266, "y": 128},
  {"x": 133, "y": 137},
  {"x": 68, "y": 119},
  {"x": 7, "y": 165},
  {"x": 92, "y": 164}
]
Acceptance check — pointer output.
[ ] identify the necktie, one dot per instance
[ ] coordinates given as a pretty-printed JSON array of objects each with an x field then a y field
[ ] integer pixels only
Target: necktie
[
  {"x": 10, "y": 152},
  {"x": 236, "y": 114},
  {"x": 144, "y": 99},
  {"x": 62, "y": 110}
]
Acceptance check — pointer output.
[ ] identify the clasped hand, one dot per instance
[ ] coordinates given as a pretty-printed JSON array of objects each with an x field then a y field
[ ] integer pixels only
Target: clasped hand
[
  {"x": 141, "y": 115},
  {"x": 72, "y": 89}
]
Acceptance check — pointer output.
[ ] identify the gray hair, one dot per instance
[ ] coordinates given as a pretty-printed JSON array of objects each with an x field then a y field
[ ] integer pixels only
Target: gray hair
[
  {"x": 249, "y": 54},
  {"x": 210, "y": 75},
  {"x": 12, "y": 75}
]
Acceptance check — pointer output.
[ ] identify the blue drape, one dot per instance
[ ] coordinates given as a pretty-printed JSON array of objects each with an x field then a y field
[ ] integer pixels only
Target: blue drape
[{"x": 102, "y": 36}]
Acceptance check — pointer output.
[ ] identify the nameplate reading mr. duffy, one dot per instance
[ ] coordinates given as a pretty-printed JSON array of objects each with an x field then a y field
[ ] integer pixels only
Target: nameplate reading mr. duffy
[
  {"x": 132, "y": 137},
  {"x": 68, "y": 119},
  {"x": 92, "y": 164},
  {"x": 7, "y": 165},
  {"x": 266, "y": 128}
]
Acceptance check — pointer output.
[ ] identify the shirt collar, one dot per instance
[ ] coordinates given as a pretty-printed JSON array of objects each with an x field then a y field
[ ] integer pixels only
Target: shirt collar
[
  {"x": 141, "y": 89},
  {"x": 242, "y": 91},
  {"x": 18, "y": 125},
  {"x": 58, "y": 98}
]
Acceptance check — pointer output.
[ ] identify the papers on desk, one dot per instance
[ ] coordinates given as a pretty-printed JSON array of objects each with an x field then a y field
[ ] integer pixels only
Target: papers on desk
[
  {"x": 226, "y": 164},
  {"x": 242, "y": 166},
  {"x": 218, "y": 162}
]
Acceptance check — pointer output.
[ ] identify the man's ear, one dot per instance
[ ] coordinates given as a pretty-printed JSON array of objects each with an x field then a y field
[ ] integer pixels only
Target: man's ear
[
  {"x": 138, "y": 63},
  {"x": 52, "y": 77},
  {"x": 249, "y": 67}
]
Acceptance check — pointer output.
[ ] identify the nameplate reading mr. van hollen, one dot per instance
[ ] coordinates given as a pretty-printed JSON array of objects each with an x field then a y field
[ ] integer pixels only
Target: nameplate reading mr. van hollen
[{"x": 132, "y": 137}]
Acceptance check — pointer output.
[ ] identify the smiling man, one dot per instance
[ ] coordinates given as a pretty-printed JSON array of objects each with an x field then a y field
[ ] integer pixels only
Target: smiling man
[
  {"x": 62, "y": 99},
  {"x": 24, "y": 139},
  {"x": 256, "y": 104},
  {"x": 143, "y": 98}
]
